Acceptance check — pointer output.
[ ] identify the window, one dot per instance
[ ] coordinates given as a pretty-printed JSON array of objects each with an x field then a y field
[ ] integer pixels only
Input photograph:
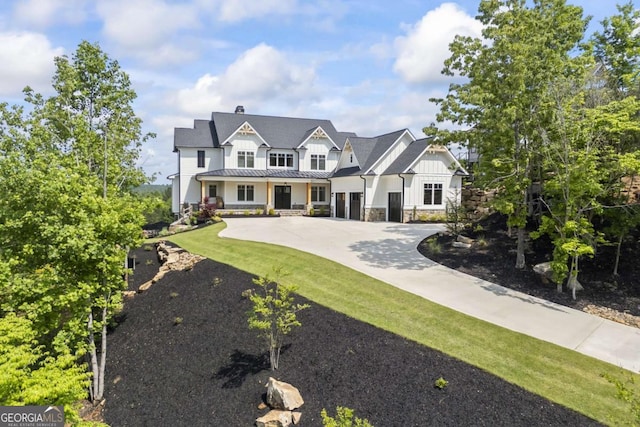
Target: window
[
  {"x": 213, "y": 191},
  {"x": 318, "y": 162},
  {"x": 318, "y": 193},
  {"x": 246, "y": 159},
  {"x": 281, "y": 160},
  {"x": 433, "y": 194},
  {"x": 200, "y": 158},
  {"x": 245, "y": 193},
  {"x": 350, "y": 158}
]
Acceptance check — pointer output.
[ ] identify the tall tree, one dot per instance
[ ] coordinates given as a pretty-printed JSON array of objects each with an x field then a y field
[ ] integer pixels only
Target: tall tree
[
  {"x": 67, "y": 218},
  {"x": 617, "y": 48},
  {"x": 501, "y": 102},
  {"x": 92, "y": 117}
]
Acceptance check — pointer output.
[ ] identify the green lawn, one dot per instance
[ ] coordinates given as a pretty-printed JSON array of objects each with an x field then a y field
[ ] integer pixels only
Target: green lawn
[{"x": 558, "y": 374}]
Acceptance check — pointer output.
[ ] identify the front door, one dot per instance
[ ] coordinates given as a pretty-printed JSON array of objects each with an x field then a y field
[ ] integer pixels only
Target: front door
[
  {"x": 283, "y": 196},
  {"x": 395, "y": 207},
  {"x": 354, "y": 206},
  {"x": 340, "y": 205}
]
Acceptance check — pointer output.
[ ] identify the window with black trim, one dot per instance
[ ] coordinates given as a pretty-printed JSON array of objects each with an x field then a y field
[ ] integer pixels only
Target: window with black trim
[
  {"x": 245, "y": 193},
  {"x": 213, "y": 190},
  {"x": 281, "y": 160},
  {"x": 318, "y": 162},
  {"x": 318, "y": 193},
  {"x": 432, "y": 194},
  {"x": 246, "y": 159},
  {"x": 200, "y": 158}
]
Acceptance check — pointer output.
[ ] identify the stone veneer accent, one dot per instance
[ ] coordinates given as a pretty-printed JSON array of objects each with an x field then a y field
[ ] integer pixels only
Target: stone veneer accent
[{"x": 375, "y": 214}]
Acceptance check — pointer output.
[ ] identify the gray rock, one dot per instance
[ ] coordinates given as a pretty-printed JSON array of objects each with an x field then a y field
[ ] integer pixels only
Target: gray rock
[{"x": 461, "y": 245}]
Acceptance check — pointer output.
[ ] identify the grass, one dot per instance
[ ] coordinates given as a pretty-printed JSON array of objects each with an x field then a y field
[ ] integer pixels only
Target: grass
[{"x": 558, "y": 374}]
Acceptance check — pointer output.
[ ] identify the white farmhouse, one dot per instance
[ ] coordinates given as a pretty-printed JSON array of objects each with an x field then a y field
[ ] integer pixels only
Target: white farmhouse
[{"x": 244, "y": 162}]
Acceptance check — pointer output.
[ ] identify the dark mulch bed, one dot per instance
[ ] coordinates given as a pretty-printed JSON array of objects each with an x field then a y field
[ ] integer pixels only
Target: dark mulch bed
[
  {"x": 495, "y": 262},
  {"x": 210, "y": 370}
]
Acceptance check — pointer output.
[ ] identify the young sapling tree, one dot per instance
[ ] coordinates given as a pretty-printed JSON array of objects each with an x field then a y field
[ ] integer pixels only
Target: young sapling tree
[{"x": 273, "y": 313}]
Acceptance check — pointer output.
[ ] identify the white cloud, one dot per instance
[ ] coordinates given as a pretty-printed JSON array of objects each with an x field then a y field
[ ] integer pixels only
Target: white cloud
[
  {"x": 144, "y": 24},
  {"x": 422, "y": 52},
  {"x": 261, "y": 76},
  {"x": 233, "y": 11},
  {"x": 28, "y": 60},
  {"x": 44, "y": 13}
]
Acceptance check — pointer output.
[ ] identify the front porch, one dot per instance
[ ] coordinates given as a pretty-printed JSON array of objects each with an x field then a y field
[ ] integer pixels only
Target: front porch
[{"x": 285, "y": 196}]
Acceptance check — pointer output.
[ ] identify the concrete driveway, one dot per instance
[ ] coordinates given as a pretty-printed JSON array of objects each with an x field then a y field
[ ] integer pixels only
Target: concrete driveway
[{"x": 387, "y": 251}]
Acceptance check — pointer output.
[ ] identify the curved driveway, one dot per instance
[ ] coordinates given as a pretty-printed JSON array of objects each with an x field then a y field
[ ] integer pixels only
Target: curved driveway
[{"x": 387, "y": 251}]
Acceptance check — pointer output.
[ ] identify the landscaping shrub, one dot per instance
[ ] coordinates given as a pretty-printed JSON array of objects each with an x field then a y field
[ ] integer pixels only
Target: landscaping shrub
[{"x": 344, "y": 418}]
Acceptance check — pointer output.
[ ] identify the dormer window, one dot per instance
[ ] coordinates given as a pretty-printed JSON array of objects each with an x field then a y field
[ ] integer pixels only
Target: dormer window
[
  {"x": 281, "y": 160},
  {"x": 318, "y": 162},
  {"x": 246, "y": 159}
]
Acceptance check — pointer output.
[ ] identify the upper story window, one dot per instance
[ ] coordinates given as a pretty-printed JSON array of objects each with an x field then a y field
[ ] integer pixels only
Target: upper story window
[
  {"x": 350, "y": 158},
  {"x": 281, "y": 160},
  {"x": 246, "y": 159},
  {"x": 200, "y": 158},
  {"x": 318, "y": 162},
  {"x": 433, "y": 194}
]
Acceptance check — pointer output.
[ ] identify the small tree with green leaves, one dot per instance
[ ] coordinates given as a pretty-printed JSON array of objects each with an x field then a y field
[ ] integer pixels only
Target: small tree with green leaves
[
  {"x": 273, "y": 313},
  {"x": 456, "y": 213},
  {"x": 344, "y": 418}
]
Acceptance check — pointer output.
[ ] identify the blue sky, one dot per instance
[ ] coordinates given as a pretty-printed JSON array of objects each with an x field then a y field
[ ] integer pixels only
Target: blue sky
[{"x": 370, "y": 66}]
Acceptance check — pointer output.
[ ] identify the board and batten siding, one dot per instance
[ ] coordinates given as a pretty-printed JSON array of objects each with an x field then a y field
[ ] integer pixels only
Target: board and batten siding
[
  {"x": 189, "y": 187},
  {"x": 434, "y": 168},
  {"x": 319, "y": 146},
  {"x": 245, "y": 143},
  {"x": 378, "y": 190},
  {"x": 397, "y": 148}
]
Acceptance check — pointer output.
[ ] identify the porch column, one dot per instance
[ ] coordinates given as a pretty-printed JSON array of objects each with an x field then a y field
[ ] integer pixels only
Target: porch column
[
  {"x": 308, "y": 205},
  {"x": 203, "y": 187},
  {"x": 269, "y": 202}
]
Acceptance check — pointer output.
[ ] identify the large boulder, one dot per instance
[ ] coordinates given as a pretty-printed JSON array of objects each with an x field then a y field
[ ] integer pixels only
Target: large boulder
[{"x": 281, "y": 395}]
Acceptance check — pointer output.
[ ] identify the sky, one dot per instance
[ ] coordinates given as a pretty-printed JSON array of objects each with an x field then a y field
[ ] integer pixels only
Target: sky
[{"x": 369, "y": 66}]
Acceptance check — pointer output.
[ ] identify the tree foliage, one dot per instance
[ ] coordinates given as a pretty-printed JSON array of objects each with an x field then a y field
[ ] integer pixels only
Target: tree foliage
[
  {"x": 544, "y": 107},
  {"x": 501, "y": 101},
  {"x": 273, "y": 313},
  {"x": 67, "y": 217}
]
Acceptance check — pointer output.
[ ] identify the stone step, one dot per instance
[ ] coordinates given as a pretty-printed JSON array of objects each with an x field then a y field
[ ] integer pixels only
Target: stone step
[{"x": 291, "y": 212}]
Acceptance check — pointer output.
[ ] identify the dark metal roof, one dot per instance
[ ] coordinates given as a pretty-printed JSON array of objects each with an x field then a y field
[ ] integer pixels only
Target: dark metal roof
[
  {"x": 352, "y": 171},
  {"x": 408, "y": 156},
  {"x": 269, "y": 173}
]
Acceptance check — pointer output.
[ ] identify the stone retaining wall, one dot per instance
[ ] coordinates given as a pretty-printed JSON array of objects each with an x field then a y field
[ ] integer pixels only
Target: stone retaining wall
[{"x": 476, "y": 201}]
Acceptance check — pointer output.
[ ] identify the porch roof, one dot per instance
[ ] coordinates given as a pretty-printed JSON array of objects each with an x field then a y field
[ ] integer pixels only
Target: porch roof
[{"x": 268, "y": 173}]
